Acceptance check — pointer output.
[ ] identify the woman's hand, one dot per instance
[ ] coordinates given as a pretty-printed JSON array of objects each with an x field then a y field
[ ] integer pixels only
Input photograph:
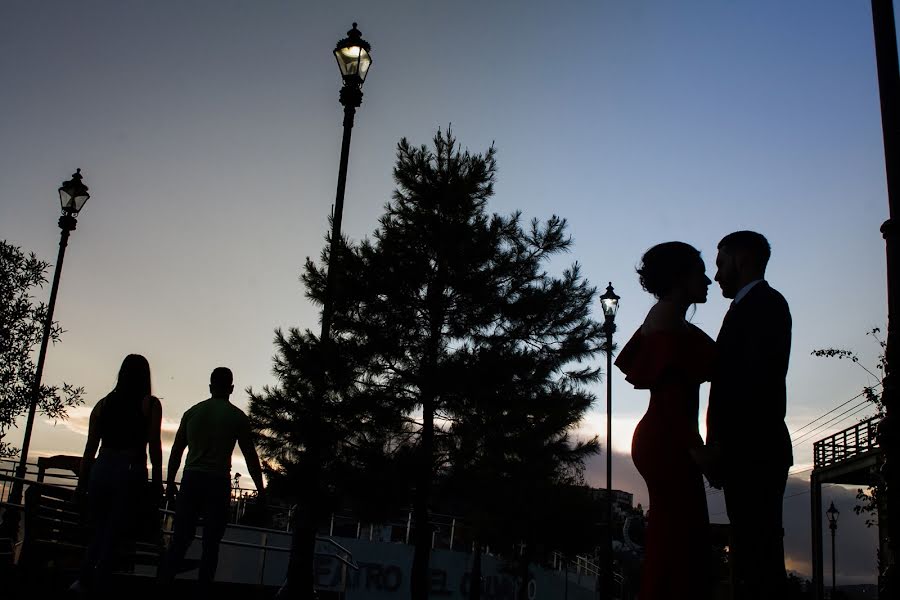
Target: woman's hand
[{"x": 709, "y": 459}]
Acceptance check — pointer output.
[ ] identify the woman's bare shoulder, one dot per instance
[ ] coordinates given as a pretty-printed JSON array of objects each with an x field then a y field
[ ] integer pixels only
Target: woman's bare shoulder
[
  {"x": 152, "y": 404},
  {"x": 659, "y": 319},
  {"x": 101, "y": 403}
]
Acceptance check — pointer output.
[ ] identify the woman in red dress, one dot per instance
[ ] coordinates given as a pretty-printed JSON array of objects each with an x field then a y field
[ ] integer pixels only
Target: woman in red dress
[{"x": 672, "y": 357}]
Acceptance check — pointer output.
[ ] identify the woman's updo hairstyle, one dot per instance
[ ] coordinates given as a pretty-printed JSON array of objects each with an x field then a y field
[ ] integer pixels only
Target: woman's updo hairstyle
[{"x": 666, "y": 265}]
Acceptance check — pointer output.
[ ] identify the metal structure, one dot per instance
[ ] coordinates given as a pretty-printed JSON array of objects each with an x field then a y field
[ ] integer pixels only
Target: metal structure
[
  {"x": 853, "y": 456},
  {"x": 832, "y": 513},
  {"x": 354, "y": 60},
  {"x": 610, "y": 303},
  {"x": 72, "y": 196},
  {"x": 885, "y": 33}
]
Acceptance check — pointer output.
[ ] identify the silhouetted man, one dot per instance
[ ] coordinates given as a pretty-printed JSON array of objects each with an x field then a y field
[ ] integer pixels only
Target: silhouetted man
[
  {"x": 745, "y": 420},
  {"x": 209, "y": 430}
]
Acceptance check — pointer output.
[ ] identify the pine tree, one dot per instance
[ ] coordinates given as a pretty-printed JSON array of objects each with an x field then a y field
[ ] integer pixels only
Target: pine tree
[
  {"x": 466, "y": 331},
  {"x": 323, "y": 431},
  {"x": 451, "y": 346}
]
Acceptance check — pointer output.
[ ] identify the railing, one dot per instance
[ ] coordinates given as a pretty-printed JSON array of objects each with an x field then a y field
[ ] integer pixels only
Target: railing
[
  {"x": 324, "y": 547},
  {"x": 846, "y": 444},
  {"x": 580, "y": 565},
  {"x": 263, "y": 541},
  {"x": 448, "y": 531}
]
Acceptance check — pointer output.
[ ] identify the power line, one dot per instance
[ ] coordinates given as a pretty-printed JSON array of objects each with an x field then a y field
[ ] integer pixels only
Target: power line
[
  {"x": 853, "y": 410},
  {"x": 820, "y": 417},
  {"x": 859, "y": 407},
  {"x": 856, "y": 410},
  {"x": 713, "y": 491},
  {"x": 827, "y": 485}
]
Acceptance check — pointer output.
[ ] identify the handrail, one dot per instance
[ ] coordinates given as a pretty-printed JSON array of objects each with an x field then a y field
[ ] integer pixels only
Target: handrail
[
  {"x": 267, "y": 547},
  {"x": 579, "y": 562},
  {"x": 854, "y": 441}
]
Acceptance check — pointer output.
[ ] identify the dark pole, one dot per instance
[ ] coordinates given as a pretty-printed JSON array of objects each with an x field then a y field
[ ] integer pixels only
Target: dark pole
[
  {"x": 301, "y": 563},
  {"x": 833, "y": 526},
  {"x": 609, "y": 328},
  {"x": 351, "y": 98},
  {"x": 67, "y": 224},
  {"x": 610, "y": 302},
  {"x": 889, "y": 88}
]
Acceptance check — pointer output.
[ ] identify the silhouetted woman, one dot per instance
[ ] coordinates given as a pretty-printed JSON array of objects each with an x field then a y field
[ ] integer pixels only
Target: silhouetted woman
[
  {"x": 672, "y": 357},
  {"x": 125, "y": 425}
]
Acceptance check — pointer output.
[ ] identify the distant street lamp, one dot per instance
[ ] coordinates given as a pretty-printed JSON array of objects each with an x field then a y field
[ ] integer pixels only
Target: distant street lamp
[
  {"x": 72, "y": 196},
  {"x": 610, "y": 303},
  {"x": 832, "y": 514}
]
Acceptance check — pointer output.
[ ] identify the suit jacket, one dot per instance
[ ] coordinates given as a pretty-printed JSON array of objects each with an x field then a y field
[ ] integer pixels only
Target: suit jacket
[{"x": 747, "y": 397}]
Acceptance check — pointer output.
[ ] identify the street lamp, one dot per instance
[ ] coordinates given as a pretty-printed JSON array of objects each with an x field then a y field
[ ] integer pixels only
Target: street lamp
[
  {"x": 610, "y": 303},
  {"x": 832, "y": 515},
  {"x": 354, "y": 59},
  {"x": 72, "y": 196}
]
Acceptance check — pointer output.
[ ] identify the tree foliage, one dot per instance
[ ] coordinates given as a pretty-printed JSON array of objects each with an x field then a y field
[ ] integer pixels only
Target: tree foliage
[
  {"x": 872, "y": 392},
  {"x": 469, "y": 336},
  {"x": 335, "y": 434},
  {"x": 456, "y": 359},
  {"x": 21, "y": 328},
  {"x": 868, "y": 499}
]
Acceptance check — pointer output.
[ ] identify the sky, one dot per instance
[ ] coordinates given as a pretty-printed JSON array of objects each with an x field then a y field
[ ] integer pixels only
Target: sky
[{"x": 209, "y": 134}]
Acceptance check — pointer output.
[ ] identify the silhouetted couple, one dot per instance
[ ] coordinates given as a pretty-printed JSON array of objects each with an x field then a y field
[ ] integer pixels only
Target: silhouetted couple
[
  {"x": 125, "y": 425},
  {"x": 748, "y": 448}
]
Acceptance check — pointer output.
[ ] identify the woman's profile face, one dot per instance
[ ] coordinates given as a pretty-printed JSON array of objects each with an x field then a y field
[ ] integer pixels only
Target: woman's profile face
[{"x": 697, "y": 284}]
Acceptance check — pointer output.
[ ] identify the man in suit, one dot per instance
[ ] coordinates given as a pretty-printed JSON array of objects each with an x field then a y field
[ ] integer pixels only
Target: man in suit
[{"x": 745, "y": 419}]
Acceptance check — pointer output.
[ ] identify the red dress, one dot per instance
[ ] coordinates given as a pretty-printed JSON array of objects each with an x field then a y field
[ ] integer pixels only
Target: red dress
[{"x": 672, "y": 365}]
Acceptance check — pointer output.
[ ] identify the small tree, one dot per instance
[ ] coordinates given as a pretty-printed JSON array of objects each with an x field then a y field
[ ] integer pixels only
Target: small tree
[{"x": 21, "y": 328}]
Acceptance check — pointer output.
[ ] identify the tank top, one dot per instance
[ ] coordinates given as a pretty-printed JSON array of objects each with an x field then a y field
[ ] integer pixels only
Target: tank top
[{"x": 123, "y": 425}]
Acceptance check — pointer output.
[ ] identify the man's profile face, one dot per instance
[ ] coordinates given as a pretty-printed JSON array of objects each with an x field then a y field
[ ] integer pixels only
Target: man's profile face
[{"x": 727, "y": 273}]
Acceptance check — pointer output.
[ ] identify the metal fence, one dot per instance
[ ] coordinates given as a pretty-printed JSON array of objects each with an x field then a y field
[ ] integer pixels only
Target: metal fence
[{"x": 846, "y": 444}]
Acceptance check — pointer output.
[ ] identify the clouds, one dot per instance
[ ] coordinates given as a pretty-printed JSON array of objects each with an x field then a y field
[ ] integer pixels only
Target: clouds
[
  {"x": 79, "y": 420},
  {"x": 855, "y": 543}
]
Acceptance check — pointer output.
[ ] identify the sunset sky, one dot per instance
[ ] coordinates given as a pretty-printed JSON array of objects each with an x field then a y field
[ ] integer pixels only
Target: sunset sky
[{"x": 209, "y": 134}]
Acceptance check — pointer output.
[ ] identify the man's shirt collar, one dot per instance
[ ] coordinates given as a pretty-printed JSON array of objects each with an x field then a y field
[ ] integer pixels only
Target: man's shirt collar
[{"x": 744, "y": 290}]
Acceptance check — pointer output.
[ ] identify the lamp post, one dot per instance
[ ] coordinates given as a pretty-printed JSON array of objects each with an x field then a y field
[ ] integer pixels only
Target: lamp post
[
  {"x": 72, "y": 196},
  {"x": 236, "y": 496},
  {"x": 354, "y": 60},
  {"x": 610, "y": 302},
  {"x": 885, "y": 31},
  {"x": 832, "y": 515}
]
